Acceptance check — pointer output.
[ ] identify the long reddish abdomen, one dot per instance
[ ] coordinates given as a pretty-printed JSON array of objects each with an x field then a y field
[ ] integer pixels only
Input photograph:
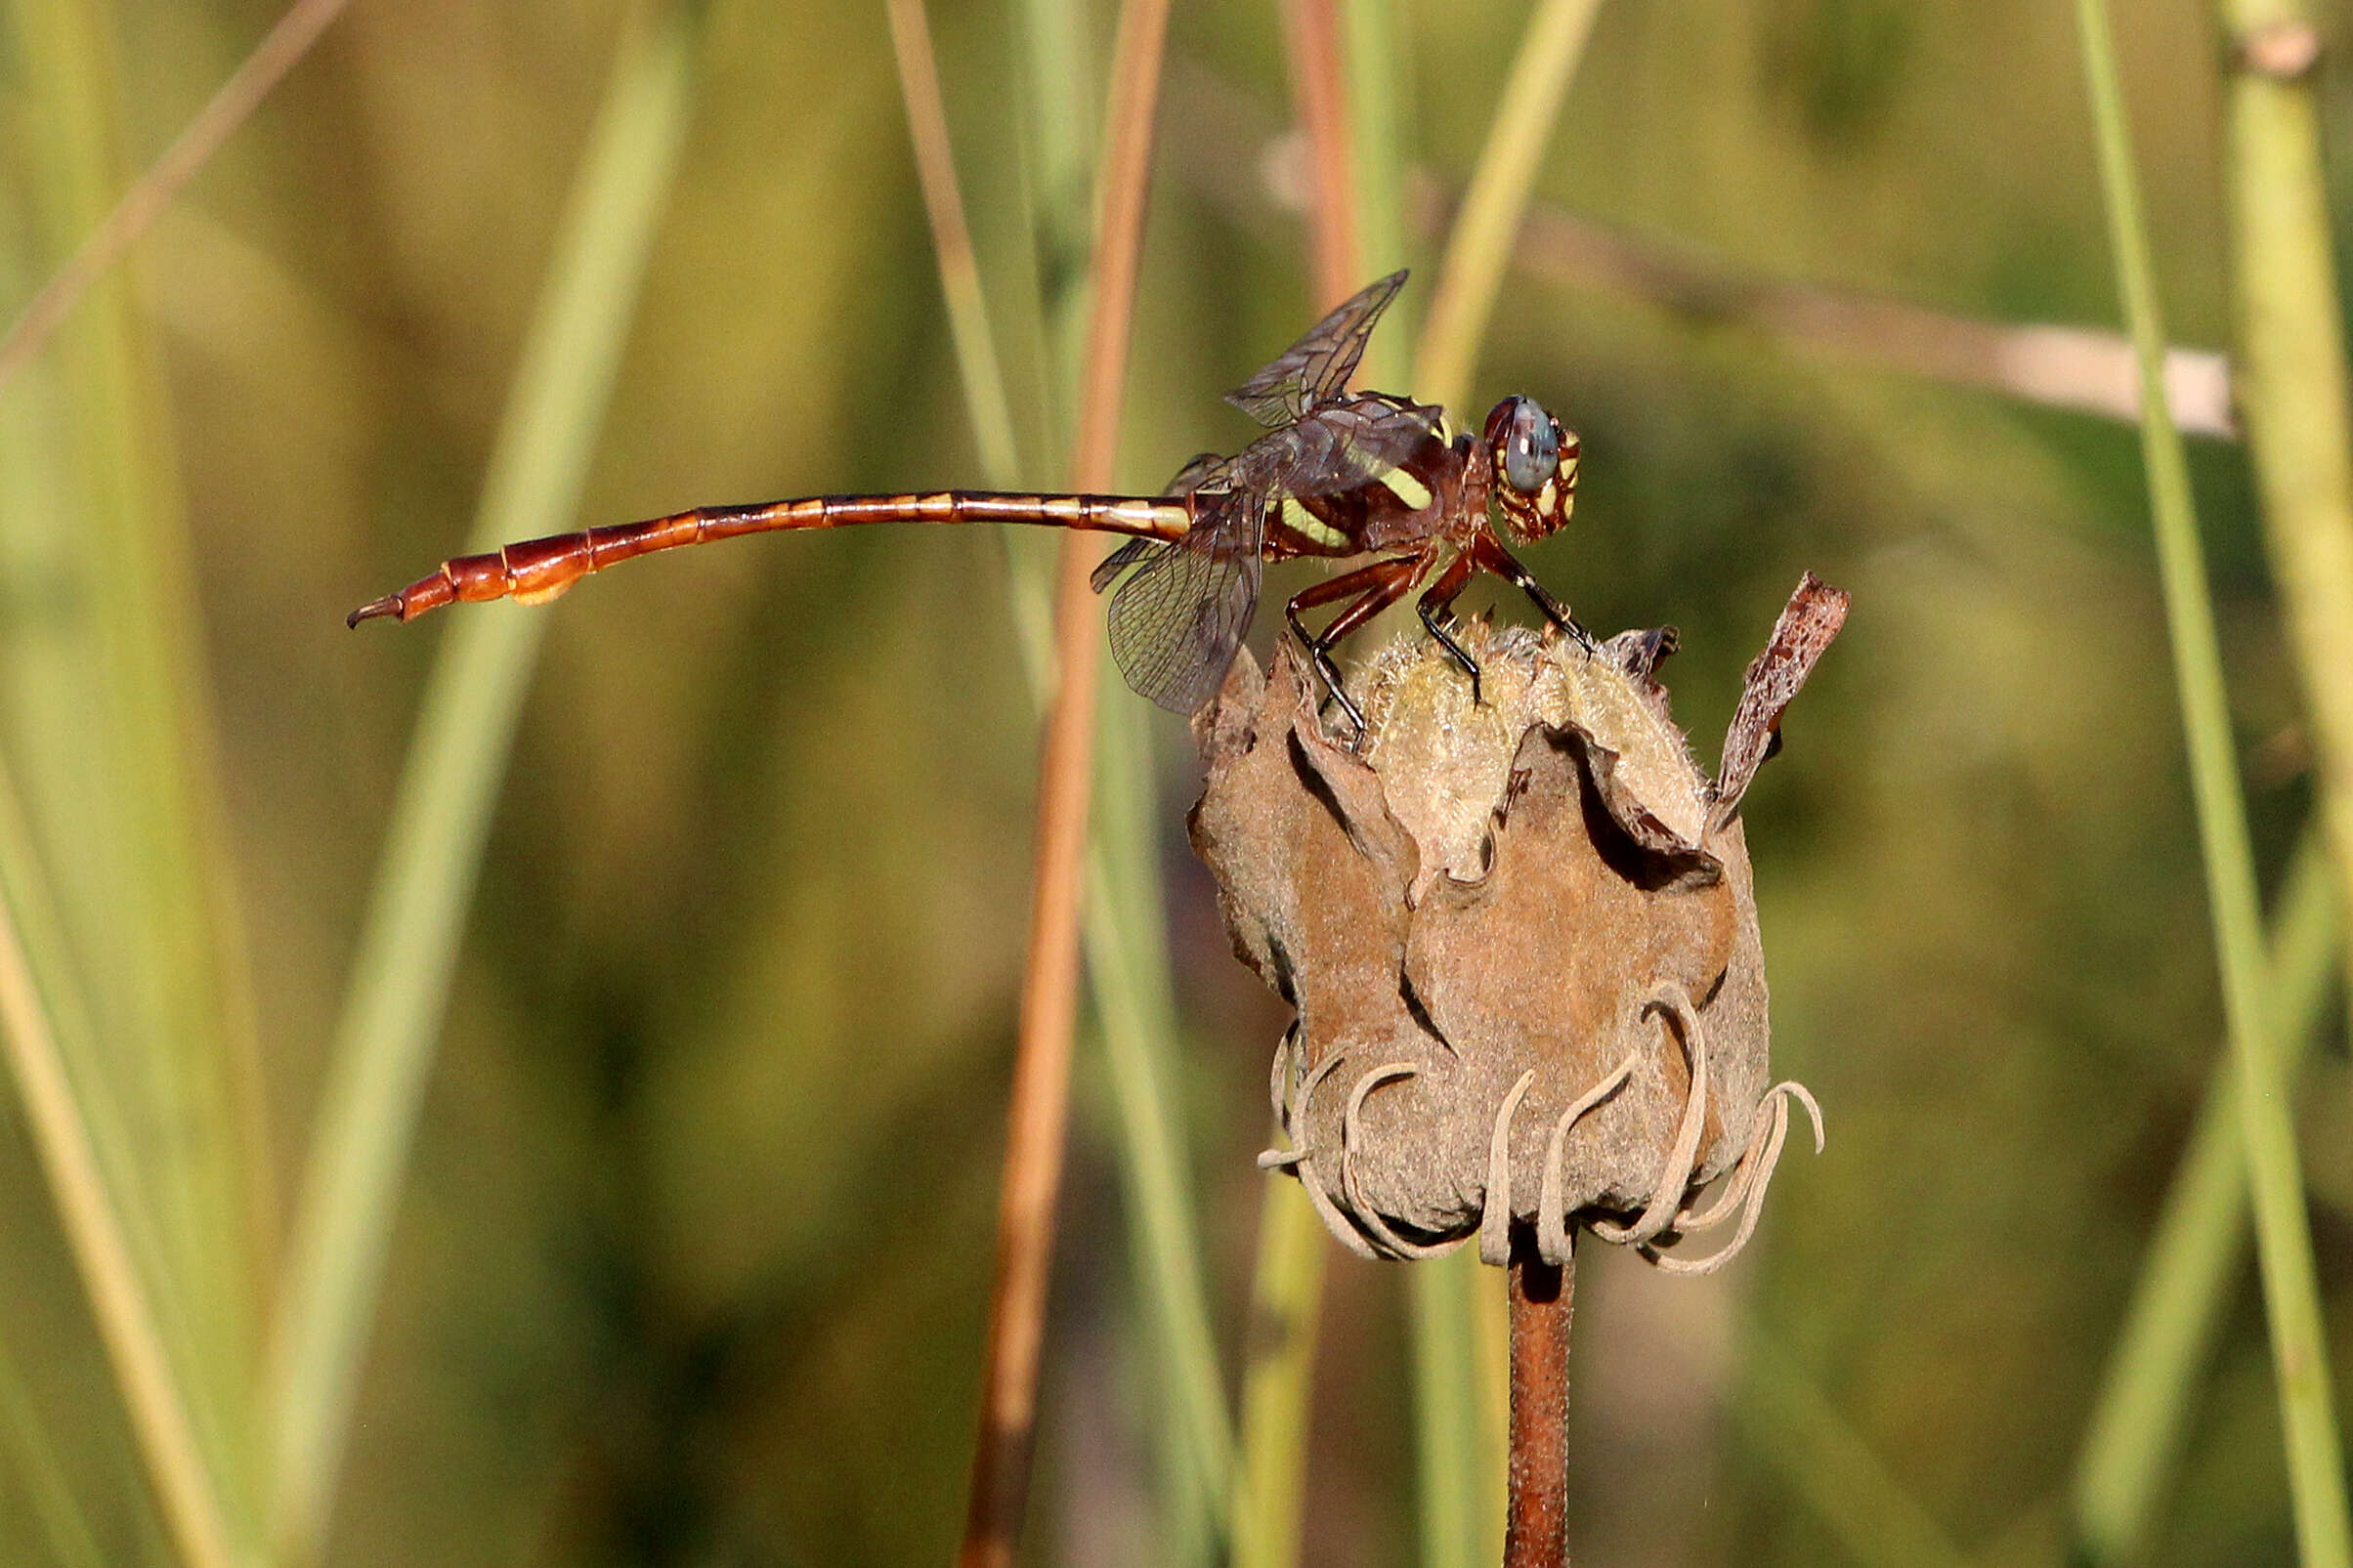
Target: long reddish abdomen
[{"x": 536, "y": 570}]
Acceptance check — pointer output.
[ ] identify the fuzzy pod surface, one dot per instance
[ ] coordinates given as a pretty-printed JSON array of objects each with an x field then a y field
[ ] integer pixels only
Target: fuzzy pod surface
[{"x": 1520, "y": 936}]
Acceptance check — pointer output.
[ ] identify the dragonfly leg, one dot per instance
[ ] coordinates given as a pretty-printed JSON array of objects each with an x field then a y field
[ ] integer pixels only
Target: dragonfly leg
[
  {"x": 1372, "y": 589},
  {"x": 1492, "y": 556},
  {"x": 1437, "y": 608}
]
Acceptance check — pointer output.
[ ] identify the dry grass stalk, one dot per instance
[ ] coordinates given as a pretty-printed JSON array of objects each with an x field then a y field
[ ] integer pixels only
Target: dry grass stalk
[
  {"x": 286, "y": 42},
  {"x": 1032, "y": 1159}
]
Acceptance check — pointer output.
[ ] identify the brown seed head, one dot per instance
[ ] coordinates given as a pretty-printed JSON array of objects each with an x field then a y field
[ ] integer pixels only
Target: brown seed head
[{"x": 1520, "y": 936}]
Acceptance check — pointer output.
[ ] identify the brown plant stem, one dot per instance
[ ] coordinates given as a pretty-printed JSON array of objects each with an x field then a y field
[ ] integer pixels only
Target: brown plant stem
[
  {"x": 1041, "y": 1093},
  {"x": 1311, "y": 39},
  {"x": 1537, "y": 1525}
]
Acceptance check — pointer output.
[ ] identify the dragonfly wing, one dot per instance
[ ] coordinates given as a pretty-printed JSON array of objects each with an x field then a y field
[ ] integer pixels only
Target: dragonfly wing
[
  {"x": 1108, "y": 571},
  {"x": 1203, "y": 469},
  {"x": 1316, "y": 368},
  {"x": 1182, "y": 612},
  {"x": 1338, "y": 447},
  {"x": 1195, "y": 474}
]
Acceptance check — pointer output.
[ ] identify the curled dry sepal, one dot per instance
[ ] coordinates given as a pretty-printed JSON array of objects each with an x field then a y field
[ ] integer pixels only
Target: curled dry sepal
[{"x": 1519, "y": 935}]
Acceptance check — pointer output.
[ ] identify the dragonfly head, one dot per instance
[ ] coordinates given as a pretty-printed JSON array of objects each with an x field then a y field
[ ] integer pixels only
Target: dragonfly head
[{"x": 1535, "y": 467}]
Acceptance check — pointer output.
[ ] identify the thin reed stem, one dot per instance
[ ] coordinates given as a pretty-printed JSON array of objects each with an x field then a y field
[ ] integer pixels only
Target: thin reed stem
[
  {"x": 2050, "y": 364},
  {"x": 2284, "y": 1238},
  {"x": 982, "y": 378},
  {"x": 287, "y": 41},
  {"x": 1485, "y": 229},
  {"x": 1828, "y": 1465},
  {"x": 1040, "y": 1101},
  {"x": 2138, "y": 1425},
  {"x": 2291, "y": 352},
  {"x": 152, "y": 1395},
  {"x": 1379, "y": 84},
  {"x": 1320, "y": 102},
  {"x": 441, "y": 818},
  {"x": 1127, "y": 953}
]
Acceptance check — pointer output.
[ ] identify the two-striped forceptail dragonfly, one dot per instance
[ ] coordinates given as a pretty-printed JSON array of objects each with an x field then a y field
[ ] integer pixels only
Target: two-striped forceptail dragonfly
[{"x": 1339, "y": 474}]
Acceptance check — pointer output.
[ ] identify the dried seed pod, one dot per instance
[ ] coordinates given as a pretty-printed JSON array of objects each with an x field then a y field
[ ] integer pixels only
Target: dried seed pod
[{"x": 1520, "y": 936}]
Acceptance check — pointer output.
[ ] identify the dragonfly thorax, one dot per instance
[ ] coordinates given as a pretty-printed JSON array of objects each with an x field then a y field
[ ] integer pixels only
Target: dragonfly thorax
[{"x": 1535, "y": 466}]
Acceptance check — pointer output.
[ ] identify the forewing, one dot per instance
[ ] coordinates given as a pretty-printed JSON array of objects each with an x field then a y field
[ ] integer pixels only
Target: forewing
[
  {"x": 1182, "y": 612},
  {"x": 1316, "y": 368},
  {"x": 1336, "y": 448}
]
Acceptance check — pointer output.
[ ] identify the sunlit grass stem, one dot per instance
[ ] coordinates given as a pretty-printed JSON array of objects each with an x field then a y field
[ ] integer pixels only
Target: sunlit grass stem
[
  {"x": 449, "y": 785},
  {"x": 287, "y": 41},
  {"x": 1820, "y": 1459},
  {"x": 115, "y": 750},
  {"x": 154, "y": 1398},
  {"x": 2140, "y": 1421},
  {"x": 2292, "y": 371},
  {"x": 2284, "y": 1238},
  {"x": 980, "y": 375},
  {"x": 1480, "y": 246}
]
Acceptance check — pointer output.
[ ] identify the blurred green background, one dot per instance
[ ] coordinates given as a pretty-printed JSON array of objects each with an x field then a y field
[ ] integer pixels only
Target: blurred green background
[{"x": 692, "y": 1256}]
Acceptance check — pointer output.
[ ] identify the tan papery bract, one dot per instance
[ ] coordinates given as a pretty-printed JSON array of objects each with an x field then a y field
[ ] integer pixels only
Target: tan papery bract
[{"x": 1519, "y": 935}]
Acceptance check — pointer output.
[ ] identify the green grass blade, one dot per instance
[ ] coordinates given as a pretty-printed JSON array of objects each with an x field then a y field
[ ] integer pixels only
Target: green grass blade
[
  {"x": 1458, "y": 1477},
  {"x": 1287, "y": 1274},
  {"x": 2284, "y": 1238},
  {"x": 32, "y": 1461},
  {"x": 1060, "y": 185},
  {"x": 1378, "y": 87},
  {"x": 1480, "y": 247},
  {"x": 1125, "y": 942},
  {"x": 104, "y": 699},
  {"x": 1286, "y": 1299},
  {"x": 2136, "y": 1430},
  {"x": 155, "y": 1397},
  {"x": 449, "y": 789},
  {"x": 979, "y": 373},
  {"x": 1449, "y": 1447},
  {"x": 1135, "y": 998},
  {"x": 2291, "y": 371},
  {"x": 1794, "y": 1429}
]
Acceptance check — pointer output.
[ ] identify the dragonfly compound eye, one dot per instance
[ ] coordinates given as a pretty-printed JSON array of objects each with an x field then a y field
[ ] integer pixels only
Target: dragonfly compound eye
[{"x": 1531, "y": 446}]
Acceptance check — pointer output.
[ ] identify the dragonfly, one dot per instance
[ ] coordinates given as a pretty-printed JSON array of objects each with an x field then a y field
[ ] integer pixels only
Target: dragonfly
[{"x": 1338, "y": 473}]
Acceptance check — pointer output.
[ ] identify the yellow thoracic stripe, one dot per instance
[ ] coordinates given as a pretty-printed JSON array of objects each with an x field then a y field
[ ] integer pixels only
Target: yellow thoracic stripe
[
  {"x": 1406, "y": 489},
  {"x": 1298, "y": 518}
]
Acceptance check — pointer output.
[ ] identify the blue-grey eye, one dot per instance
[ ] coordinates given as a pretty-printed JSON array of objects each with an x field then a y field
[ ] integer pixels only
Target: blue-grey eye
[{"x": 1531, "y": 447}]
